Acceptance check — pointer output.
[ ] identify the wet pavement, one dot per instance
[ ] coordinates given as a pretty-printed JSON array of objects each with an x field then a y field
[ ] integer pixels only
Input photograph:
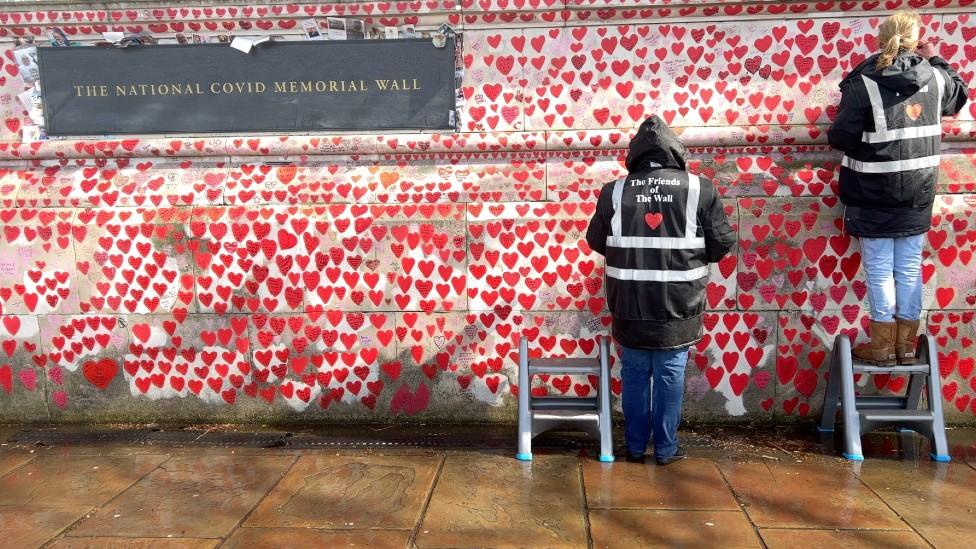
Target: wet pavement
[{"x": 741, "y": 487}]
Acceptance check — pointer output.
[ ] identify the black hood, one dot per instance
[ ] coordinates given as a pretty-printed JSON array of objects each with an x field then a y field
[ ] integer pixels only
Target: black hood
[
  {"x": 655, "y": 142},
  {"x": 907, "y": 74}
]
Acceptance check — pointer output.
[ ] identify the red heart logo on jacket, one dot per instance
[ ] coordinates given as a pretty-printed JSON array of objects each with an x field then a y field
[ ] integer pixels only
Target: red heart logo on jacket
[
  {"x": 653, "y": 220},
  {"x": 913, "y": 111}
]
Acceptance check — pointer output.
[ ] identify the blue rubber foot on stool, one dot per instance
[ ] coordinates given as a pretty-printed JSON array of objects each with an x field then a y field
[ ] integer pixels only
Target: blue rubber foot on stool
[
  {"x": 523, "y": 457},
  {"x": 940, "y": 459},
  {"x": 606, "y": 459},
  {"x": 854, "y": 457},
  {"x": 822, "y": 430}
]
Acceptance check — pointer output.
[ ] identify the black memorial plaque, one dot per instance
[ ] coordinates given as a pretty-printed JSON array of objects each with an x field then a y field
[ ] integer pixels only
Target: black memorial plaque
[{"x": 278, "y": 86}]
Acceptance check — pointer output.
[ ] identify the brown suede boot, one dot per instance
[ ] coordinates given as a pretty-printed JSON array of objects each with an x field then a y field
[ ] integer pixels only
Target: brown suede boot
[
  {"x": 881, "y": 350},
  {"x": 905, "y": 341}
]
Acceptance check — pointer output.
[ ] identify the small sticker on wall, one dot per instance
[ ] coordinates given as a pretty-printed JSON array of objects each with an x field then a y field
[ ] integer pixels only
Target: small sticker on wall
[{"x": 32, "y": 134}]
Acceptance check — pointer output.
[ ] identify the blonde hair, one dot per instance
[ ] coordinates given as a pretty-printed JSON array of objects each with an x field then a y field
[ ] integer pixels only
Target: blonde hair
[{"x": 898, "y": 34}]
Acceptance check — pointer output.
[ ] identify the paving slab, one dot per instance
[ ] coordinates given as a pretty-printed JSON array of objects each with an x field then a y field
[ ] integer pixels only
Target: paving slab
[
  {"x": 688, "y": 484},
  {"x": 343, "y": 492},
  {"x": 939, "y": 501},
  {"x": 133, "y": 543},
  {"x": 273, "y": 538},
  {"x": 657, "y": 528},
  {"x": 495, "y": 501},
  {"x": 840, "y": 539},
  {"x": 64, "y": 479},
  {"x": 886, "y": 445},
  {"x": 962, "y": 444},
  {"x": 808, "y": 495},
  {"x": 163, "y": 448},
  {"x": 32, "y": 525},
  {"x": 189, "y": 496},
  {"x": 11, "y": 459}
]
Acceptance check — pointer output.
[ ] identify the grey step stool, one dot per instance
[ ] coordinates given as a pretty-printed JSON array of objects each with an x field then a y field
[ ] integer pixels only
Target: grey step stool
[
  {"x": 540, "y": 414},
  {"x": 863, "y": 414}
]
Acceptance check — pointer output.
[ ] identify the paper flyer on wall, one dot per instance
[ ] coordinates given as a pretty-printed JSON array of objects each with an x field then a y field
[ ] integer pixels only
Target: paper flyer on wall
[
  {"x": 336, "y": 28},
  {"x": 459, "y": 101}
]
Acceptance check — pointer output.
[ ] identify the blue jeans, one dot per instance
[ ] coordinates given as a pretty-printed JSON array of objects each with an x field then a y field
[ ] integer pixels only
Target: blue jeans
[
  {"x": 667, "y": 368},
  {"x": 894, "y": 277}
]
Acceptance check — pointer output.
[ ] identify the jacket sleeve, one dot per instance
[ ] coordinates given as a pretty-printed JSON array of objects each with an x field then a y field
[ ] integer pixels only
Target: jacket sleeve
[
  {"x": 719, "y": 236},
  {"x": 957, "y": 92},
  {"x": 596, "y": 233},
  {"x": 848, "y": 128}
]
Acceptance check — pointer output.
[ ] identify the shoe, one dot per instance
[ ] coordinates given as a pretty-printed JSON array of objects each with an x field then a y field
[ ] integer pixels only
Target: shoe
[
  {"x": 679, "y": 455},
  {"x": 905, "y": 341},
  {"x": 880, "y": 351},
  {"x": 635, "y": 458}
]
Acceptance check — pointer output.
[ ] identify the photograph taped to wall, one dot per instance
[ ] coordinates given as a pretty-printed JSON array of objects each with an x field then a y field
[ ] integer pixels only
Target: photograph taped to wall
[
  {"x": 27, "y": 63},
  {"x": 311, "y": 29},
  {"x": 57, "y": 37},
  {"x": 355, "y": 29}
]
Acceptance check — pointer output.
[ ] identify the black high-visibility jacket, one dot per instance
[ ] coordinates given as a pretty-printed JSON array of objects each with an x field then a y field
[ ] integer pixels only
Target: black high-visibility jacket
[
  {"x": 889, "y": 127},
  {"x": 659, "y": 228}
]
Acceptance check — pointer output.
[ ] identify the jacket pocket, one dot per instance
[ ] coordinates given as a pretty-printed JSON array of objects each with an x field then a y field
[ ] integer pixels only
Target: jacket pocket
[
  {"x": 851, "y": 193},
  {"x": 924, "y": 188},
  {"x": 905, "y": 191}
]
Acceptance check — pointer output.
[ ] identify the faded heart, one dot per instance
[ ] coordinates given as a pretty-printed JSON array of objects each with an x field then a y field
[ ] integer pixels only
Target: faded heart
[{"x": 913, "y": 111}]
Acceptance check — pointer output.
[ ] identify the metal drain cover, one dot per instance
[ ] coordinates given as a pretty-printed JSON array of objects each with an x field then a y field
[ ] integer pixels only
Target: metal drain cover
[{"x": 332, "y": 438}]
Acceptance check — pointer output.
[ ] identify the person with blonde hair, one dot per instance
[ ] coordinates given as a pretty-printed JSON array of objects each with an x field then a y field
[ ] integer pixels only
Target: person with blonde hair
[{"x": 889, "y": 126}]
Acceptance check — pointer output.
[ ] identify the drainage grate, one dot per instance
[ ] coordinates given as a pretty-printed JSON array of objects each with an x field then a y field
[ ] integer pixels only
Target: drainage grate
[
  {"x": 341, "y": 438},
  {"x": 144, "y": 436},
  {"x": 442, "y": 441}
]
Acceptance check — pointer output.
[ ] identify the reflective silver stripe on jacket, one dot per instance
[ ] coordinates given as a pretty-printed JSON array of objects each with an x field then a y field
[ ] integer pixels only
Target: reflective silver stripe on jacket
[
  {"x": 891, "y": 166},
  {"x": 902, "y": 133},
  {"x": 691, "y": 206},
  {"x": 941, "y": 79},
  {"x": 883, "y": 134},
  {"x": 617, "y": 196},
  {"x": 669, "y": 243},
  {"x": 652, "y": 275},
  {"x": 877, "y": 106},
  {"x": 689, "y": 242}
]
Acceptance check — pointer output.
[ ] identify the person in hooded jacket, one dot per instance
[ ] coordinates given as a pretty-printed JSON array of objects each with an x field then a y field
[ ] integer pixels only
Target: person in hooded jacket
[
  {"x": 889, "y": 127},
  {"x": 659, "y": 228}
]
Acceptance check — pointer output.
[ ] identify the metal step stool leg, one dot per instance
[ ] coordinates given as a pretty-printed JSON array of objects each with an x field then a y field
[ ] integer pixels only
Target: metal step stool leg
[
  {"x": 606, "y": 421},
  {"x": 842, "y": 364},
  {"x": 525, "y": 413},
  {"x": 927, "y": 350},
  {"x": 831, "y": 399},
  {"x": 913, "y": 395},
  {"x": 916, "y": 384}
]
